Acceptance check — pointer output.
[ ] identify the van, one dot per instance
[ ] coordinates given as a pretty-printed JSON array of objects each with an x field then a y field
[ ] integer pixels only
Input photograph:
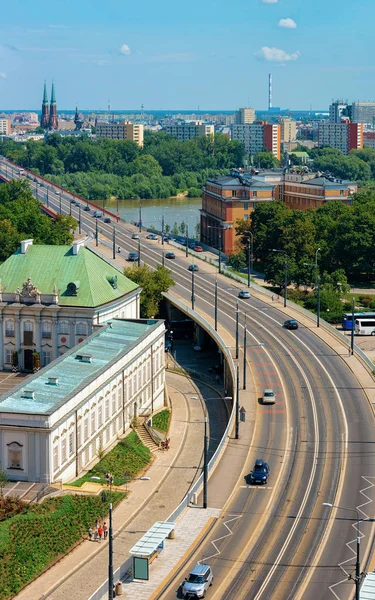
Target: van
[{"x": 198, "y": 582}]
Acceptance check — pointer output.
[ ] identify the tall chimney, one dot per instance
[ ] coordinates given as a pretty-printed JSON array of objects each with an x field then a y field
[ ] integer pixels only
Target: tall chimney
[{"x": 269, "y": 91}]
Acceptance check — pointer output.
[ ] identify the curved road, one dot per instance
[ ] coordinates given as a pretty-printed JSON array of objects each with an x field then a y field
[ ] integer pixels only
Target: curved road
[{"x": 318, "y": 439}]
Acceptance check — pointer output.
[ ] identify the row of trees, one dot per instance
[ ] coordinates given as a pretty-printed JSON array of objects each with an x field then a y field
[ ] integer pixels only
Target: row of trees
[
  {"x": 20, "y": 217},
  {"x": 104, "y": 168}
]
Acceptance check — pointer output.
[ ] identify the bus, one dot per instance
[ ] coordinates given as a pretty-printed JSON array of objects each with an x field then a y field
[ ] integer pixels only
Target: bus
[
  {"x": 365, "y": 326},
  {"x": 347, "y": 323}
]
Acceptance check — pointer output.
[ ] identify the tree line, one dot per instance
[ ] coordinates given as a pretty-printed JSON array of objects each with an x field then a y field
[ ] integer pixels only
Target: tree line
[
  {"x": 103, "y": 168},
  {"x": 21, "y": 217}
]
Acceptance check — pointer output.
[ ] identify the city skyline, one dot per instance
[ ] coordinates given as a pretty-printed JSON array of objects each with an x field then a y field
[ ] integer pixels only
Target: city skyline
[{"x": 181, "y": 59}]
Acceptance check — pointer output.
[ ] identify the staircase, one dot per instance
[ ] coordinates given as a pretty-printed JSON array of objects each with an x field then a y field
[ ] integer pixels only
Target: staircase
[{"x": 145, "y": 438}]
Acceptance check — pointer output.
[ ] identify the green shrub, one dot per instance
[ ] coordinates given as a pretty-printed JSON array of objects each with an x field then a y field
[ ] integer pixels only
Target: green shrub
[
  {"x": 160, "y": 422},
  {"x": 365, "y": 301}
]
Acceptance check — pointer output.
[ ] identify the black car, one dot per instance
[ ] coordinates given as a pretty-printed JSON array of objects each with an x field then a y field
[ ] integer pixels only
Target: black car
[
  {"x": 107, "y": 220},
  {"x": 291, "y": 324},
  {"x": 87, "y": 209},
  {"x": 170, "y": 255},
  {"x": 260, "y": 472},
  {"x": 132, "y": 256}
]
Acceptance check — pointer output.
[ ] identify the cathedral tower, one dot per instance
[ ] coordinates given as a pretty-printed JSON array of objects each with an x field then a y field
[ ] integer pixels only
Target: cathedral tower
[
  {"x": 44, "y": 120},
  {"x": 53, "y": 121}
]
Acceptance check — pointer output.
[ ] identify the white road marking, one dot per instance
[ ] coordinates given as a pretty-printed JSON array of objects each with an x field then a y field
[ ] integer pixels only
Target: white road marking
[{"x": 222, "y": 538}]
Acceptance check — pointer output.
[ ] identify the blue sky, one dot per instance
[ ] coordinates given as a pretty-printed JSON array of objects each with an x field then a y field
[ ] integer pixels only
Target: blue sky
[{"x": 213, "y": 54}]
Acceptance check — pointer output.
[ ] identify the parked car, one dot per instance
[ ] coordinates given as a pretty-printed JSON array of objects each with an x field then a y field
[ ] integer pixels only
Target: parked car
[
  {"x": 198, "y": 248},
  {"x": 133, "y": 256},
  {"x": 151, "y": 236},
  {"x": 291, "y": 324},
  {"x": 135, "y": 236},
  {"x": 107, "y": 220},
  {"x": 199, "y": 580},
  {"x": 170, "y": 255},
  {"x": 268, "y": 396},
  {"x": 193, "y": 268},
  {"x": 260, "y": 472},
  {"x": 244, "y": 294}
]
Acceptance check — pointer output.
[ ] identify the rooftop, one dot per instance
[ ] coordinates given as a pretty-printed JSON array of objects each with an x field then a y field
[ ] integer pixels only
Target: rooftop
[
  {"x": 105, "y": 346},
  {"x": 328, "y": 183},
  {"x": 55, "y": 267},
  {"x": 243, "y": 180}
]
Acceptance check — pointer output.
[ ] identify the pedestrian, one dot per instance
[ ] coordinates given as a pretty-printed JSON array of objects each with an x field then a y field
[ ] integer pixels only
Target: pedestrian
[
  {"x": 95, "y": 536},
  {"x": 100, "y": 533},
  {"x": 272, "y": 297},
  {"x": 105, "y": 530},
  {"x": 350, "y": 350},
  {"x": 90, "y": 534}
]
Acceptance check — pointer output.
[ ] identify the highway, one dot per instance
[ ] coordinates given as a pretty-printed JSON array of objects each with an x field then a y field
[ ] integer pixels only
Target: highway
[{"x": 318, "y": 439}]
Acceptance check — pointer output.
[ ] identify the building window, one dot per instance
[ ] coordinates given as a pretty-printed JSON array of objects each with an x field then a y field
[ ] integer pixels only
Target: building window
[
  {"x": 85, "y": 430},
  {"x": 100, "y": 415},
  {"x": 9, "y": 328},
  {"x": 107, "y": 408},
  {"x": 255, "y": 194},
  {"x": 63, "y": 449},
  {"x": 71, "y": 443},
  {"x": 64, "y": 327},
  {"x": 8, "y": 356},
  {"x": 81, "y": 329},
  {"x": 92, "y": 422},
  {"x": 15, "y": 455},
  {"x": 341, "y": 192},
  {"x": 246, "y": 217},
  {"x": 46, "y": 330},
  {"x": 234, "y": 193},
  {"x": 45, "y": 358},
  {"x": 56, "y": 457},
  {"x": 113, "y": 402},
  {"x": 27, "y": 326},
  {"x": 119, "y": 398},
  {"x": 79, "y": 435},
  {"x": 246, "y": 206}
]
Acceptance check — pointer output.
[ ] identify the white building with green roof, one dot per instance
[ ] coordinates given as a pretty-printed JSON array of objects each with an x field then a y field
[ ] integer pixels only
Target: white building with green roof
[
  {"x": 52, "y": 297},
  {"x": 53, "y": 425}
]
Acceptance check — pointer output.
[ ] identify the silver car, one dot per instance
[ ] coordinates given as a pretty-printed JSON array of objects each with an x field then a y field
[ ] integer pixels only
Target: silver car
[{"x": 198, "y": 582}]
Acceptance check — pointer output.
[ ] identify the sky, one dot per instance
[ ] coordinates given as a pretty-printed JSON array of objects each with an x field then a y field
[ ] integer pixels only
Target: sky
[{"x": 206, "y": 54}]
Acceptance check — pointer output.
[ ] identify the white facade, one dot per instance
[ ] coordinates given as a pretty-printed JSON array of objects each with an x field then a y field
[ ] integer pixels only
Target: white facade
[{"x": 59, "y": 443}]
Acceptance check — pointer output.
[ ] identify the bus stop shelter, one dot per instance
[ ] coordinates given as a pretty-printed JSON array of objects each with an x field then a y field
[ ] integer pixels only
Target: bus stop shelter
[{"x": 149, "y": 546}]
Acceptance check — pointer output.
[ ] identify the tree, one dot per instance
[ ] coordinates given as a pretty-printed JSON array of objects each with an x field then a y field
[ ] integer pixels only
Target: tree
[
  {"x": 3, "y": 481},
  {"x": 237, "y": 261},
  {"x": 61, "y": 230},
  {"x": 9, "y": 239},
  {"x": 265, "y": 160},
  {"x": 167, "y": 228},
  {"x": 175, "y": 228},
  {"x": 153, "y": 284},
  {"x": 182, "y": 228}
]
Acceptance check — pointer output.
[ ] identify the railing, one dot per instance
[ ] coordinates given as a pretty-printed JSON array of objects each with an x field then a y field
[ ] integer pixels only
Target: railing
[{"x": 125, "y": 569}]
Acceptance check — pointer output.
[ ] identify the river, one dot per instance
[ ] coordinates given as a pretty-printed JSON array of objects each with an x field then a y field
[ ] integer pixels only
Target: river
[{"x": 175, "y": 210}]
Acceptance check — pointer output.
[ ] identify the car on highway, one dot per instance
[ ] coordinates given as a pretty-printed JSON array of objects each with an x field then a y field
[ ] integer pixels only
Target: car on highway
[
  {"x": 87, "y": 209},
  {"x": 132, "y": 256},
  {"x": 151, "y": 236},
  {"x": 193, "y": 268},
  {"x": 260, "y": 472},
  {"x": 197, "y": 248},
  {"x": 107, "y": 220},
  {"x": 170, "y": 255},
  {"x": 291, "y": 324},
  {"x": 135, "y": 236},
  {"x": 244, "y": 294},
  {"x": 199, "y": 580},
  {"x": 98, "y": 214},
  {"x": 268, "y": 396}
]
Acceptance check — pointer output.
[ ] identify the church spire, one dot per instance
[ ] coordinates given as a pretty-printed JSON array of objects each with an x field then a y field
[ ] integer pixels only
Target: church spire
[
  {"x": 53, "y": 121},
  {"x": 44, "y": 120},
  {"x": 53, "y": 98}
]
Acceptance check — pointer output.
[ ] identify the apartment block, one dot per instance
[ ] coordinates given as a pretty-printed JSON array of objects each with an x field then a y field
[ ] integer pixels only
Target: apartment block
[
  {"x": 339, "y": 111},
  {"x": 258, "y": 137},
  {"x": 363, "y": 112},
  {"x": 189, "y": 131},
  {"x": 343, "y": 136},
  {"x": 245, "y": 116},
  {"x": 121, "y": 131},
  {"x": 288, "y": 129},
  {"x": 369, "y": 139},
  {"x": 304, "y": 191},
  {"x": 5, "y": 127}
]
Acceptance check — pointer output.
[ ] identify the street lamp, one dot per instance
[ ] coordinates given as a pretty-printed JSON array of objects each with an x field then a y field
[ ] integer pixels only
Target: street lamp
[
  {"x": 140, "y": 217},
  {"x": 205, "y": 446},
  {"x": 316, "y": 257},
  {"x": 250, "y": 255},
  {"x": 58, "y": 194},
  {"x": 192, "y": 288},
  {"x": 220, "y": 242},
  {"x": 285, "y": 271},
  {"x": 139, "y": 252},
  {"x": 358, "y": 575}
]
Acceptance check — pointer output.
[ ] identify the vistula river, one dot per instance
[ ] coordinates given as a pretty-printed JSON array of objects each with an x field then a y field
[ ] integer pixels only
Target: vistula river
[{"x": 175, "y": 210}]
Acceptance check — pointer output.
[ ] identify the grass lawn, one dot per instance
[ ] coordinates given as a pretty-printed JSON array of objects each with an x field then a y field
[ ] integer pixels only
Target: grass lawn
[
  {"x": 129, "y": 455},
  {"x": 42, "y": 533},
  {"x": 160, "y": 422}
]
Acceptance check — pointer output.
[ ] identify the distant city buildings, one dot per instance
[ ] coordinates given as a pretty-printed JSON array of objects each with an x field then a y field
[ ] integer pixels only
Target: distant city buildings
[
  {"x": 121, "y": 131},
  {"x": 189, "y": 130},
  {"x": 369, "y": 139},
  {"x": 245, "y": 116},
  {"x": 5, "y": 126},
  {"x": 258, "y": 137},
  {"x": 344, "y": 136},
  {"x": 363, "y": 112},
  {"x": 339, "y": 111},
  {"x": 49, "y": 118}
]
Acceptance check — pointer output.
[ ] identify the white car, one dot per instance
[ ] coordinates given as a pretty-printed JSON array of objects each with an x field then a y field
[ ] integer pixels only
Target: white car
[
  {"x": 198, "y": 582},
  {"x": 244, "y": 294},
  {"x": 268, "y": 396}
]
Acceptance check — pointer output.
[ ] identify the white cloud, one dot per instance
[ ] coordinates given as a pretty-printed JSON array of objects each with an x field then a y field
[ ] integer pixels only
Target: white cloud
[
  {"x": 125, "y": 50},
  {"x": 3, "y": 75},
  {"x": 270, "y": 1},
  {"x": 287, "y": 23},
  {"x": 276, "y": 55}
]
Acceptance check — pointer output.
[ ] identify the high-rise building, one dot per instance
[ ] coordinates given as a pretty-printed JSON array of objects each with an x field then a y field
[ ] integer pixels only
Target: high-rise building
[
  {"x": 189, "y": 131},
  {"x": 5, "y": 126},
  {"x": 338, "y": 111},
  {"x": 363, "y": 112},
  {"x": 121, "y": 131},
  {"x": 343, "y": 136},
  {"x": 288, "y": 129},
  {"x": 53, "y": 120},
  {"x": 258, "y": 137},
  {"x": 245, "y": 116},
  {"x": 44, "y": 120}
]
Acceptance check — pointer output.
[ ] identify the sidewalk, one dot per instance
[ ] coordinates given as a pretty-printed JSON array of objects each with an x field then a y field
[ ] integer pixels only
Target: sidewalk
[{"x": 82, "y": 571}]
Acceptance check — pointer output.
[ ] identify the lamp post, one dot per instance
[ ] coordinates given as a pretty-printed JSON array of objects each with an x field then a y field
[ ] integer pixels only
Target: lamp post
[
  {"x": 220, "y": 242},
  {"x": 139, "y": 252},
  {"x": 192, "y": 289},
  {"x": 140, "y": 217},
  {"x": 187, "y": 240},
  {"x": 358, "y": 576},
  {"x": 216, "y": 292},
  {"x": 162, "y": 230},
  {"x": 244, "y": 353},
  {"x": 58, "y": 194},
  {"x": 316, "y": 257},
  {"x": 250, "y": 255},
  {"x": 114, "y": 243},
  {"x": 205, "y": 445},
  {"x": 285, "y": 272},
  {"x": 47, "y": 198},
  {"x": 352, "y": 331},
  {"x": 79, "y": 219},
  {"x": 162, "y": 258},
  {"x": 96, "y": 232},
  {"x": 237, "y": 401},
  {"x": 237, "y": 333}
]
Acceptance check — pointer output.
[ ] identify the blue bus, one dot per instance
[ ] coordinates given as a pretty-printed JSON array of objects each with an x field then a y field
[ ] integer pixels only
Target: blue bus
[{"x": 347, "y": 323}]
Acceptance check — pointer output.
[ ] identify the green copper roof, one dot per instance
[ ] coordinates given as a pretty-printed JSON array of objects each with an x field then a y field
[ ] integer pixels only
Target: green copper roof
[
  {"x": 49, "y": 266},
  {"x": 45, "y": 97},
  {"x": 53, "y": 99}
]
